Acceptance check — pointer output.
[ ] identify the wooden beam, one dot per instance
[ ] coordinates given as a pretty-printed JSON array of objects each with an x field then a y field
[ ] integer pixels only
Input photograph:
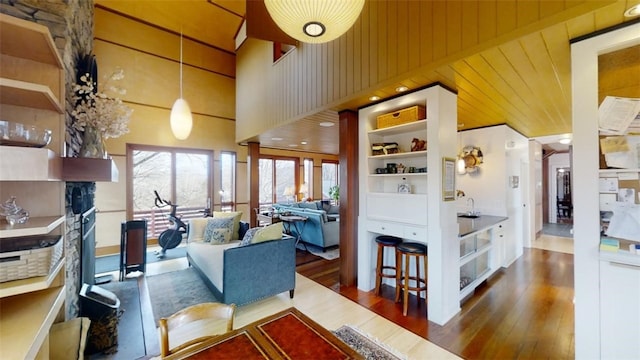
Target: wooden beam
[
  {"x": 254, "y": 180},
  {"x": 348, "y": 197}
]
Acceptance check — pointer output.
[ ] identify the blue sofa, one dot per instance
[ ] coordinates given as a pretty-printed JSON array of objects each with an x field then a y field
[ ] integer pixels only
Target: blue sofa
[
  {"x": 244, "y": 274},
  {"x": 321, "y": 229}
]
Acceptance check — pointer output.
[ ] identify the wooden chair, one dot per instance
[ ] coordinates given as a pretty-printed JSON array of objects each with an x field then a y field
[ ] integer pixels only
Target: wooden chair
[{"x": 192, "y": 314}]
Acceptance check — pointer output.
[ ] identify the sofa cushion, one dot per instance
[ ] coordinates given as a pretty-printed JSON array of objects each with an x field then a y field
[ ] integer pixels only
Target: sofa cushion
[
  {"x": 218, "y": 230},
  {"x": 236, "y": 215},
  {"x": 260, "y": 234},
  {"x": 196, "y": 229},
  {"x": 269, "y": 232},
  {"x": 210, "y": 260},
  {"x": 248, "y": 236},
  {"x": 308, "y": 205}
]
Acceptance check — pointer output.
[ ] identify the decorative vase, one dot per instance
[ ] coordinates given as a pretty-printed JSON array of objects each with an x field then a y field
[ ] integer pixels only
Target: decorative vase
[{"x": 92, "y": 144}]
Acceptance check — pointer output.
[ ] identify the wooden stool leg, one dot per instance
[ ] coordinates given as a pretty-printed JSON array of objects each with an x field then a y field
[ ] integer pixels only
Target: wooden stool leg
[
  {"x": 407, "y": 259},
  {"x": 398, "y": 274},
  {"x": 426, "y": 279},
  {"x": 379, "y": 270}
]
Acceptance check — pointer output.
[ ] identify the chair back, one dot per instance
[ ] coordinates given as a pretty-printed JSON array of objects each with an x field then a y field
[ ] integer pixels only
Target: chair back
[{"x": 204, "y": 311}]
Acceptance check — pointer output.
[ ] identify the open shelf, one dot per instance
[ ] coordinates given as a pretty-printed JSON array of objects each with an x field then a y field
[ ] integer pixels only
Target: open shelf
[
  {"x": 34, "y": 226},
  {"x": 25, "y": 321},
  {"x": 21, "y": 93},
  {"x": 400, "y": 155},
  {"x": 401, "y": 129},
  {"x": 16, "y": 287},
  {"x": 28, "y": 40}
]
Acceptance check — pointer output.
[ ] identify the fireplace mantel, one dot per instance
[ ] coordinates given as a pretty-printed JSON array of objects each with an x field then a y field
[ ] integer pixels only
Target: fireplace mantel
[{"x": 89, "y": 169}]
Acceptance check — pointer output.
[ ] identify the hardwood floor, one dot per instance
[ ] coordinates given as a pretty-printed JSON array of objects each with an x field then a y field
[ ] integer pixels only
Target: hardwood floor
[{"x": 523, "y": 312}]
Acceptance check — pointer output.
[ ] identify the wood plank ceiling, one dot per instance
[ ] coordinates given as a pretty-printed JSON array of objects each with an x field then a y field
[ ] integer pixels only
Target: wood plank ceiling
[{"x": 523, "y": 82}]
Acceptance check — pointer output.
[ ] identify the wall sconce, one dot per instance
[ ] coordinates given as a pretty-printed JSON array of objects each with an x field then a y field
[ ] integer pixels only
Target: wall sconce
[{"x": 469, "y": 159}]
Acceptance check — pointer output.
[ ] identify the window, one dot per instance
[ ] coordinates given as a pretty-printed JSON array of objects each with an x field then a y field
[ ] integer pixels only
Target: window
[
  {"x": 329, "y": 177},
  {"x": 278, "y": 178},
  {"x": 306, "y": 188},
  {"x": 227, "y": 181},
  {"x": 180, "y": 176}
]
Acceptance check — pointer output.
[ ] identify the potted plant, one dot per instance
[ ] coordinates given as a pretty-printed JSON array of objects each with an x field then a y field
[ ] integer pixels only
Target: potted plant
[{"x": 334, "y": 194}]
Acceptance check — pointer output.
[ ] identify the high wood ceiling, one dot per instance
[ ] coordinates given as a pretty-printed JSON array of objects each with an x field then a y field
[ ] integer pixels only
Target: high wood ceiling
[{"x": 524, "y": 81}]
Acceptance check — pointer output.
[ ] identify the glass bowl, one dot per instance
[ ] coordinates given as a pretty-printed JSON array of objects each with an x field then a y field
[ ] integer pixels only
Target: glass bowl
[{"x": 18, "y": 134}]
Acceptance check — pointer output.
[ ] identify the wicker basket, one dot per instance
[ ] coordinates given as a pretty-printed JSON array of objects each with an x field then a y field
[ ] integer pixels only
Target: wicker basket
[
  {"x": 29, "y": 256},
  {"x": 402, "y": 116}
]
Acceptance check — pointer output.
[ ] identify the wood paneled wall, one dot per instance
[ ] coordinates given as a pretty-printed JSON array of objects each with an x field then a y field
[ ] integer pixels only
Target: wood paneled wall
[{"x": 392, "y": 41}]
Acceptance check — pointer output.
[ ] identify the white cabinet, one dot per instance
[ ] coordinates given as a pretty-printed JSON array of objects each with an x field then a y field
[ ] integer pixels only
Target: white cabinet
[
  {"x": 620, "y": 320},
  {"x": 32, "y": 93},
  {"x": 419, "y": 214}
]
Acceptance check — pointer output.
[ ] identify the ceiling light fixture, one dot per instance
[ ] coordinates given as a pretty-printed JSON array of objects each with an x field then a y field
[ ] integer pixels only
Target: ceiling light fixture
[
  {"x": 326, "y": 124},
  {"x": 401, "y": 88},
  {"x": 565, "y": 141},
  {"x": 180, "y": 119},
  {"x": 314, "y": 21},
  {"x": 276, "y": 138},
  {"x": 632, "y": 11},
  {"x": 303, "y": 142},
  {"x": 374, "y": 98}
]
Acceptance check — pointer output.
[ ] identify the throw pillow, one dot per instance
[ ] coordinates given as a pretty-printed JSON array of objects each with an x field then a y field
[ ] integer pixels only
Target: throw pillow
[
  {"x": 235, "y": 215},
  {"x": 196, "y": 229},
  {"x": 248, "y": 236},
  {"x": 269, "y": 232},
  {"x": 218, "y": 230}
]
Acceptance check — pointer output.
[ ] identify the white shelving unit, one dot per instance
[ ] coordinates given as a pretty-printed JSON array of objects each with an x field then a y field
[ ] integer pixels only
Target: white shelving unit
[
  {"x": 421, "y": 215},
  {"x": 31, "y": 92},
  {"x": 475, "y": 260}
]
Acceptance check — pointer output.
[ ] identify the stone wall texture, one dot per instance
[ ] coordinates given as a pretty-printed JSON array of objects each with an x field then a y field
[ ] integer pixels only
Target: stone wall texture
[{"x": 71, "y": 25}]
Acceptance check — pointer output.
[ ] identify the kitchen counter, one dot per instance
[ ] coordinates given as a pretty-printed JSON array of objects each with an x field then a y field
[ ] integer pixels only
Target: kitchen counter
[{"x": 470, "y": 225}]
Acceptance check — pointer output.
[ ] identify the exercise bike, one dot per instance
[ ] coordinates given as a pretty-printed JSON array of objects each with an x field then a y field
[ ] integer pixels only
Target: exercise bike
[{"x": 171, "y": 237}]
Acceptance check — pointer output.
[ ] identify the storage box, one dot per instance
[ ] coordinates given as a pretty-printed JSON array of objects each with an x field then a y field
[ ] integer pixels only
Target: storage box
[
  {"x": 29, "y": 256},
  {"x": 402, "y": 116},
  {"x": 384, "y": 148}
]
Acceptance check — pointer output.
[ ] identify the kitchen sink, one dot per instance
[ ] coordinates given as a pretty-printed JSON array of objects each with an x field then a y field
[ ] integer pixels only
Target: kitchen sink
[{"x": 469, "y": 216}]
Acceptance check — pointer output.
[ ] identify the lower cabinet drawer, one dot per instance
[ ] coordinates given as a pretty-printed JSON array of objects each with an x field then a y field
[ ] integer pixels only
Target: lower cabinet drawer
[
  {"x": 384, "y": 228},
  {"x": 415, "y": 233}
]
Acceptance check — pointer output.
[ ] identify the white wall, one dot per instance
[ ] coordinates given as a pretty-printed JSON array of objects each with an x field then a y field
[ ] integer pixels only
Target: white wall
[{"x": 486, "y": 186}]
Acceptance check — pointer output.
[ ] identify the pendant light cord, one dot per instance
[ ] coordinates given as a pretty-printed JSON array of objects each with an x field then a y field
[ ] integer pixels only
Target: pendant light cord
[{"x": 180, "y": 64}]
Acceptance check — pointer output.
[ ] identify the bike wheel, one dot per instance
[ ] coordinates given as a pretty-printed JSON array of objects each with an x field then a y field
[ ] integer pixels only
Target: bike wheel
[{"x": 169, "y": 239}]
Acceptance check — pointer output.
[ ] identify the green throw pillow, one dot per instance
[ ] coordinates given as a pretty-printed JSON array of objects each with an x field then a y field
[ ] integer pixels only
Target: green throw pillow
[
  {"x": 269, "y": 232},
  {"x": 218, "y": 230}
]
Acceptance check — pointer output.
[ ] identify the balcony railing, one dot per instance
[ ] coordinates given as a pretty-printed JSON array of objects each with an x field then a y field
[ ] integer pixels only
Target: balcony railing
[{"x": 158, "y": 221}]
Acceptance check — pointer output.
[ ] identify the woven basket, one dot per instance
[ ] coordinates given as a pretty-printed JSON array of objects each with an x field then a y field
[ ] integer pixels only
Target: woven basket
[
  {"x": 402, "y": 116},
  {"x": 23, "y": 264}
]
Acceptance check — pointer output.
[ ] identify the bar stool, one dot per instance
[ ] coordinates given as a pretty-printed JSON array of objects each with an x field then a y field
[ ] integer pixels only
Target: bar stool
[
  {"x": 385, "y": 241},
  {"x": 406, "y": 250}
]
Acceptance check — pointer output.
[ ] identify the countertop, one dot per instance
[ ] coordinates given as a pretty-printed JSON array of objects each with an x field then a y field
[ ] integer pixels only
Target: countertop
[{"x": 469, "y": 226}]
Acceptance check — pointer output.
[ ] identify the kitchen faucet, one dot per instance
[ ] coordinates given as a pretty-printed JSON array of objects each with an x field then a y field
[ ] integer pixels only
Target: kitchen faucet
[{"x": 473, "y": 206}]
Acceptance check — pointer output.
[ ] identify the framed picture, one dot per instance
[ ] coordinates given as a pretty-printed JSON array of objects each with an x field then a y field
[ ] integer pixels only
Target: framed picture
[{"x": 448, "y": 179}]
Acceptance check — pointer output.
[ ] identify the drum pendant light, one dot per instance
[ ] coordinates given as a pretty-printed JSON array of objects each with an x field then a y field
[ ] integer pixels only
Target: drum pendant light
[
  {"x": 181, "y": 120},
  {"x": 314, "y": 21}
]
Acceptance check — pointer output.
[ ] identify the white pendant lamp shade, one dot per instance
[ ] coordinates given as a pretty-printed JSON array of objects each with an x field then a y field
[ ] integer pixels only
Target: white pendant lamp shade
[
  {"x": 181, "y": 121},
  {"x": 314, "y": 21}
]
